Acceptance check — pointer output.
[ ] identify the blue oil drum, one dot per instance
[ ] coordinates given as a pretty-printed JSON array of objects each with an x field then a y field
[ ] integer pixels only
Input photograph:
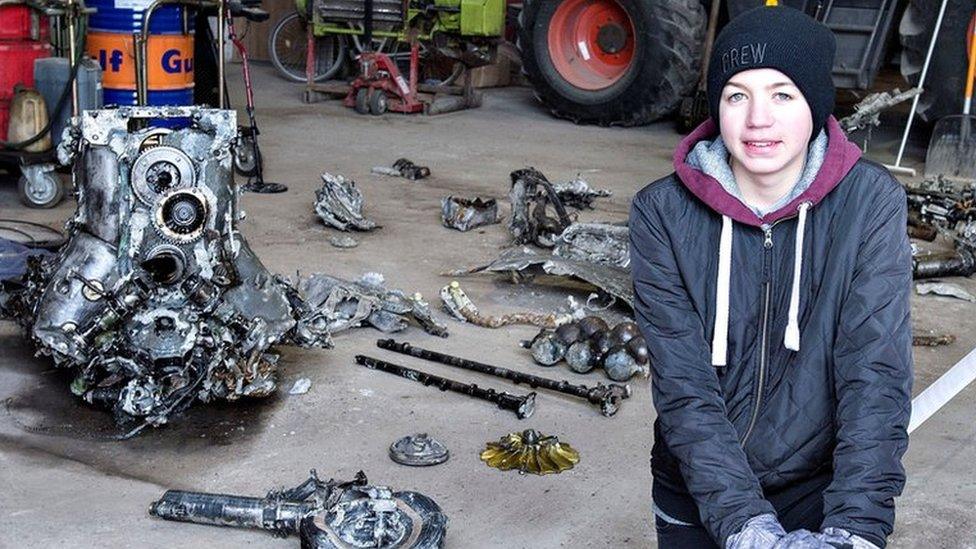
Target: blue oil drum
[{"x": 169, "y": 60}]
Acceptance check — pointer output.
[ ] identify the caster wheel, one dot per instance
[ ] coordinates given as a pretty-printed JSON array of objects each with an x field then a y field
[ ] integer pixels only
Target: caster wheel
[
  {"x": 246, "y": 156},
  {"x": 377, "y": 103},
  {"x": 362, "y": 101},
  {"x": 42, "y": 190}
]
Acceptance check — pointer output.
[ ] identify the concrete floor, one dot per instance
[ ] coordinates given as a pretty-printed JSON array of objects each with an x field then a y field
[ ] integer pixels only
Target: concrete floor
[{"x": 62, "y": 486}]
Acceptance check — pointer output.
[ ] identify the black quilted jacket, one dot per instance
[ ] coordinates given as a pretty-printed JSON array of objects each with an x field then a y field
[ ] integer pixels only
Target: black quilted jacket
[{"x": 771, "y": 416}]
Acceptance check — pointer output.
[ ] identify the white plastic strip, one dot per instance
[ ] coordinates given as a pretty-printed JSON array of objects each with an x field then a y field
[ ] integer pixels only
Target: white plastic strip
[{"x": 935, "y": 396}]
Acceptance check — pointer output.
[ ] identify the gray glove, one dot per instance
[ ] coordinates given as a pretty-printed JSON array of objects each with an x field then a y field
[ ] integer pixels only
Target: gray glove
[
  {"x": 838, "y": 537},
  {"x": 802, "y": 539},
  {"x": 759, "y": 532}
]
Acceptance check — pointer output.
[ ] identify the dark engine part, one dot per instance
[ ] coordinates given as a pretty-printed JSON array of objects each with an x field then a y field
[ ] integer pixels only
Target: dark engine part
[
  {"x": 607, "y": 398},
  {"x": 590, "y": 343},
  {"x": 532, "y": 196},
  {"x": 326, "y": 515},
  {"x": 521, "y": 405}
]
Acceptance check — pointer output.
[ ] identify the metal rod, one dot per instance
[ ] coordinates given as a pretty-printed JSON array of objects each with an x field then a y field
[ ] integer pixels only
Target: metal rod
[
  {"x": 522, "y": 406},
  {"x": 368, "y": 24},
  {"x": 141, "y": 41},
  {"x": 607, "y": 398},
  {"x": 72, "y": 55},
  {"x": 221, "y": 7},
  {"x": 897, "y": 167}
]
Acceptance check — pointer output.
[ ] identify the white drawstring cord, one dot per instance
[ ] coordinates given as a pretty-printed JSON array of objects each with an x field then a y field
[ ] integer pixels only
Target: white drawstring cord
[
  {"x": 792, "y": 339},
  {"x": 720, "y": 336}
]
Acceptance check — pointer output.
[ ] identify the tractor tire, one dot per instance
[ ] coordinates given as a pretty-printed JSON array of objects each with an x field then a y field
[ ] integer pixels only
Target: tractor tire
[
  {"x": 611, "y": 62},
  {"x": 946, "y": 76}
]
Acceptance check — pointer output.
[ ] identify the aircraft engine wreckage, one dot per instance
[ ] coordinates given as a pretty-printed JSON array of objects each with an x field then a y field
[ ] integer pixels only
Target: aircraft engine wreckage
[
  {"x": 340, "y": 204},
  {"x": 325, "y": 515},
  {"x": 156, "y": 300}
]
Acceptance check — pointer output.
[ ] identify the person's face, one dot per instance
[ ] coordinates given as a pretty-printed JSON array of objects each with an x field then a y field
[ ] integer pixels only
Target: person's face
[{"x": 765, "y": 122}]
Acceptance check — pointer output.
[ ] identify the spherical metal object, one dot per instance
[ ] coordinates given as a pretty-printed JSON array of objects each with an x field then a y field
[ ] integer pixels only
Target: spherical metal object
[
  {"x": 591, "y": 325},
  {"x": 624, "y": 332}
]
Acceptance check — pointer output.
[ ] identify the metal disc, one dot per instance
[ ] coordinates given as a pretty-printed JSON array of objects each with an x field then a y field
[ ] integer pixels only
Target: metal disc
[
  {"x": 159, "y": 170},
  {"x": 418, "y": 450}
]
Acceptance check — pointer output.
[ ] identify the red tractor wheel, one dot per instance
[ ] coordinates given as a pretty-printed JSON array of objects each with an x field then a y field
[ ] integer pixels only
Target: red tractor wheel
[
  {"x": 591, "y": 42},
  {"x": 611, "y": 62}
]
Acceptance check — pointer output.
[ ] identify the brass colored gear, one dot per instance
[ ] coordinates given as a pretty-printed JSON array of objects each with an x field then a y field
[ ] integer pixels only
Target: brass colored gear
[{"x": 530, "y": 452}]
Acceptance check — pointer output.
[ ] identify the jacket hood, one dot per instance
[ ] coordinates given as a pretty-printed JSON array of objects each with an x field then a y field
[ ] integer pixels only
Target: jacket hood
[{"x": 840, "y": 158}]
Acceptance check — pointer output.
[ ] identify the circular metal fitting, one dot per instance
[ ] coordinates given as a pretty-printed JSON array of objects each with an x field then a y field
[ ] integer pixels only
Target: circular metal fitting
[
  {"x": 93, "y": 290},
  {"x": 166, "y": 264},
  {"x": 159, "y": 170},
  {"x": 181, "y": 215},
  {"x": 418, "y": 450}
]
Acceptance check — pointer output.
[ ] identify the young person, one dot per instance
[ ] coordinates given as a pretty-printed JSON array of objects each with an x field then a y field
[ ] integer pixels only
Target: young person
[{"x": 772, "y": 274}]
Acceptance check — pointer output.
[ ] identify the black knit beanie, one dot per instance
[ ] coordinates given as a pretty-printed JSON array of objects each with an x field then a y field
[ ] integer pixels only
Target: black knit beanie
[{"x": 781, "y": 38}]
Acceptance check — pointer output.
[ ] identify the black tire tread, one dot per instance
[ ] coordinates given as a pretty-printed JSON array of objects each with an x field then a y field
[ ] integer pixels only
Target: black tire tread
[
  {"x": 945, "y": 80},
  {"x": 683, "y": 24}
]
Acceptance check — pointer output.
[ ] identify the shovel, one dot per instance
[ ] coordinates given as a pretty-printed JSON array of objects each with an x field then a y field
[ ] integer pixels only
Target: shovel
[{"x": 952, "y": 149}]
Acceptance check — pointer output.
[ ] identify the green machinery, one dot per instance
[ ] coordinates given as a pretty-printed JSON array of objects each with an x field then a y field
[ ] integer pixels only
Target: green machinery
[{"x": 465, "y": 30}]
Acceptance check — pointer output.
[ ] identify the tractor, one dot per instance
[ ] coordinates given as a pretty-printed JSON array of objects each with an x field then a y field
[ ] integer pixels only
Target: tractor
[{"x": 631, "y": 62}]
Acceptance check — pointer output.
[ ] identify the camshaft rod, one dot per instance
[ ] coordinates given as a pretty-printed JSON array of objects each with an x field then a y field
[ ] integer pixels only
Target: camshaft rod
[
  {"x": 607, "y": 398},
  {"x": 522, "y": 406}
]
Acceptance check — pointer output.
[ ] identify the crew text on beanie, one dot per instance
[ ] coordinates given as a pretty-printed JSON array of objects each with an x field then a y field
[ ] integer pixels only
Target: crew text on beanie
[{"x": 780, "y": 38}]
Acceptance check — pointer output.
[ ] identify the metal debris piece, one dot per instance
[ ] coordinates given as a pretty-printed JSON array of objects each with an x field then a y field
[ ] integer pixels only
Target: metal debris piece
[
  {"x": 946, "y": 208},
  {"x": 532, "y": 197},
  {"x": 590, "y": 343},
  {"x": 962, "y": 262},
  {"x": 600, "y": 243},
  {"x": 866, "y": 112},
  {"x": 946, "y": 289},
  {"x": 530, "y": 452},
  {"x": 522, "y": 406},
  {"x": 301, "y": 386},
  {"x": 547, "y": 348},
  {"x": 613, "y": 280},
  {"x": 462, "y": 308},
  {"x": 932, "y": 340},
  {"x": 578, "y": 193},
  {"x": 156, "y": 300},
  {"x": 419, "y": 450},
  {"x": 465, "y": 214},
  {"x": 607, "y": 398},
  {"x": 343, "y": 241},
  {"x": 340, "y": 204},
  {"x": 325, "y": 515},
  {"x": 337, "y": 304},
  {"x": 403, "y": 168}
]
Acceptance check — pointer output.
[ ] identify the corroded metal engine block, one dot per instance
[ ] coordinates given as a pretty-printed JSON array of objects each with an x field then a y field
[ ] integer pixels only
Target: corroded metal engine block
[{"x": 156, "y": 300}]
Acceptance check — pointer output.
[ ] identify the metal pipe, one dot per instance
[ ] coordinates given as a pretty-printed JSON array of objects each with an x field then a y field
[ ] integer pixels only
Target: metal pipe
[
  {"x": 228, "y": 510},
  {"x": 141, "y": 52},
  {"x": 221, "y": 39},
  {"x": 368, "y": 24},
  {"x": 605, "y": 397},
  {"x": 75, "y": 108},
  {"x": 522, "y": 406},
  {"x": 897, "y": 167}
]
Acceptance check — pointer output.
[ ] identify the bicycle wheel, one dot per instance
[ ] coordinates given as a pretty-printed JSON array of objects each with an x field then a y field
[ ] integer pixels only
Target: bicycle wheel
[{"x": 287, "y": 48}]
